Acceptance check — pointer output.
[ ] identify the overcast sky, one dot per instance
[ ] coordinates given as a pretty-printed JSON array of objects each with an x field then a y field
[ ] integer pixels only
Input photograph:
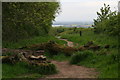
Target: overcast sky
[{"x": 82, "y": 10}]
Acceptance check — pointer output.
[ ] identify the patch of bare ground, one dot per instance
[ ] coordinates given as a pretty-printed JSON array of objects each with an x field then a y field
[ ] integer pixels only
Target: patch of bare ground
[
  {"x": 69, "y": 43},
  {"x": 67, "y": 70}
]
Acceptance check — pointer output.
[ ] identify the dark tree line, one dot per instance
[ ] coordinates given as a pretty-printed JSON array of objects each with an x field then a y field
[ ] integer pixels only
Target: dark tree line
[{"x": 24, "y": 20}]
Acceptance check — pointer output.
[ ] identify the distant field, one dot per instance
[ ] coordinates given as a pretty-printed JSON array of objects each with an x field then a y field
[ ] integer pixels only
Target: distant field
[{"x": 73, "y": 24}]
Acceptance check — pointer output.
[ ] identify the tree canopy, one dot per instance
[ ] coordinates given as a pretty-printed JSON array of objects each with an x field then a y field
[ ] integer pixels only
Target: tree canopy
[
  {"x": 107, "y": 21},
  {"x": 26, "y": 19}
]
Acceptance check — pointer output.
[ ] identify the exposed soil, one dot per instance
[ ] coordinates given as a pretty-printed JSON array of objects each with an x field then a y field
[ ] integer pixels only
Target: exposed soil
[
  {"x": 69, "y": 43},
  {"x": 67, "y": 70}
]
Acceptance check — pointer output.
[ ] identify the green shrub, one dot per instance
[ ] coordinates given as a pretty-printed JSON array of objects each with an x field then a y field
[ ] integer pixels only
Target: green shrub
[
  {"x": 8, "y": 54},
  {"x": 113, "y": 58},
  {"x": 60, "y": 30},
  {"x": 107, "y": 21},
  {"x": 23, "y": 68},
  {"x": 43, "y": 68},
  {"x": 12, "y": 71},
  {"x": 107, "y": 65},
  {"x": 68, "y": 51},
  {"x": 53, "y": 48},
  {"x": 58, "y": 57},
  {"x": 102, "y": 52},
  {"x": 79, "y": 56}
]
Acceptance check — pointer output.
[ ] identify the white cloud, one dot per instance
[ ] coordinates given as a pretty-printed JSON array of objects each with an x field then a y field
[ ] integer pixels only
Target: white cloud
[{"x": 82, "y": 10}]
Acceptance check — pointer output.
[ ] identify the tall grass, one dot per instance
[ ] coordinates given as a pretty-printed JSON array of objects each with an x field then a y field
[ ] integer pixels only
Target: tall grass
[
  {"x": 27, "y": 42},
  {"x": 25, "y": 70},
  {"x": 106, "y": 65},
  {"x": 79, "y": 56},
  {"x": 89, "y": 35},
  {"x": 104, "y": 60},
  {"x": 58, "y": 57}
]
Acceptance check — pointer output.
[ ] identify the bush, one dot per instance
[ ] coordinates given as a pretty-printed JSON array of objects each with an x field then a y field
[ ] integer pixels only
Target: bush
[
  {"x": 113, "y": 58},
  {"x": 23, "y": 68},
  {"x": 60, "y": 57},
  {"x": 79, "y": 56},
  {"x": 68, "y": 51},
  {"x": 43, "y": 68},
  {"x": 53, "y": 48},
  {"x": 102, "y": 52},
  {"x": 12, "y": 71},
  {"x": 60, "y": 30},
  {"x": 107, "y": 21},
  {"x": 8, "y": 54}
]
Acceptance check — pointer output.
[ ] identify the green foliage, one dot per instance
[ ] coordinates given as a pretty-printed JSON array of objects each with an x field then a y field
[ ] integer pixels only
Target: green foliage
[
  {"x": 58, "y": 57},
  {"x": 79, "y": 56},
  {"x": 104, "y": 60},
  {"x": 43, "y": 68},
  {"x": 104, "y": 13},
  {"x": 105, "y": 64},
  {"x": 112, "y": 26},
  {"x": 21, "y": 69},
  {"x": 111, "y": 71},
  {"x": 31, "y": 41},
  {"x": 55, "y": 31},
  {"x": 11, "y": 71},
  {"x": 25, "y": 20},
  {"x": 59, "y": 31},
  {"x": 114, "y": 58},
  {"x": 88, "y": 35},
  {"x": 8, "y": 54},
  {"x": 107, "y": 21},
  {"x": 68, "y": 51},
  {"x": 53, "y": 48}
]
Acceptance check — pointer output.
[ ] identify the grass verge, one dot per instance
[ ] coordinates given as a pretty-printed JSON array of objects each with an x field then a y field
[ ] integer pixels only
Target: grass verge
[
  {"x": 105, "y": 60},
  {"x": 58, "y": 57},
  {"x": 89, "y": 35},
  {"x": 106, "y": 64},
  {"x": 25, "y": 70},
  {"x": 28, "y": 42}
]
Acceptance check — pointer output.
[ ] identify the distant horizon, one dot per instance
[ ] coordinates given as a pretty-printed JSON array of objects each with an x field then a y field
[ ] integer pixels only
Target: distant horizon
[
  {"x": 82, "y": 10},
  {"x": 84, "y": 24},
  {"x": 72, "y": 22}
]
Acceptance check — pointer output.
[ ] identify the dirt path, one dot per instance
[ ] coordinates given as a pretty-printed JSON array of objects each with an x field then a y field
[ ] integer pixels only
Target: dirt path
[
  {"x": 72, "y": 71},
  {"x": 67, "y": 70},
  {"x": 69, "y": 43}
]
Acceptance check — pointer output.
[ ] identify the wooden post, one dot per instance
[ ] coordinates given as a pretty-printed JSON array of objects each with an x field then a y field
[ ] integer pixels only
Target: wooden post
[{"x": 80, "y": 33}]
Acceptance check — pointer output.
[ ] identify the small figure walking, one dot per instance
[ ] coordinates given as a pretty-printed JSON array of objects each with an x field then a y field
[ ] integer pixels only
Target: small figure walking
[{"x": 80, "y": 33}]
